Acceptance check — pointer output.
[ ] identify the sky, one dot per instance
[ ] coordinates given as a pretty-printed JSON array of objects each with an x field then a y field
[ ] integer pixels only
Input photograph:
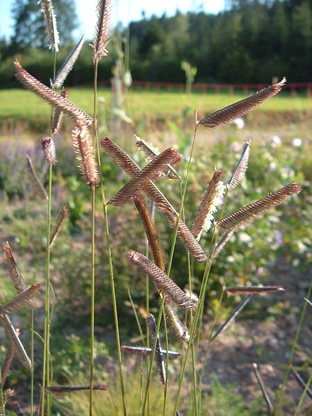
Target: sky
[{"x": 124, "y": 11}]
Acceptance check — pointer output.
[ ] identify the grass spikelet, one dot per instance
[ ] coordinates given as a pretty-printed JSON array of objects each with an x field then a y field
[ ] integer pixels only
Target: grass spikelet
[
  {"x": 20, "y": 300},
  {"x": 241, "y": 167},
  {"x": 104, "y": 11},
  {"x": 8, "y": 360},
  {"x": 67, "y": 65},
  {"x": 221, "y": 244},
  {"x": 251, "y": 290},
  {"x": 57, "y": 116},
  {"x": 208, "y": 206},
  {"x": 152, "y": 192},
  {"x": 63, "y": 214},
  {"x": 51, "y": 97},
  {"x": 158, "y": 254},
  {"x": 37, "y": 186},
  {"x": 48, "y": 147},
  {"x": 263, "y": 389},
  {"x": 179, "y": 329},
  {"x": 17, "y": 409},
  {"x": 148, "y": 173},
  {"x": 159, "y": 357},
  {"x": 257, "y": 209},
  {"x": 148, "y": 351},
  {"x": 151, "y": 153},
  {"x": 241, "y": 108},
  {"x": 50, "y": 22},
  {"x": 83, "y": 147},
  {"x": 170, "y": 289},
  {"x": 19, "y": 348},
  {"x": 15, "y": 275},
  {"x": 73, "y": 389},
  {"x": 230, "y": 319}
]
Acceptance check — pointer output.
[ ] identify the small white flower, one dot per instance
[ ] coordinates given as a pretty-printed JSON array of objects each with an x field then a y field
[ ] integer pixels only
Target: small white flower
[
  {"x": 276, "y": 141},
  {"x": 239, "y": 122},
  {"x": 297, "y": 142},
  {"x": 272, "y": 167}
]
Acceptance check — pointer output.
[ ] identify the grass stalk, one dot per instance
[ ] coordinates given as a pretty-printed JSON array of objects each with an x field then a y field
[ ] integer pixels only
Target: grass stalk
[
  {"x": 92, "y": 300},
  {"x": 109, "y": 253},
  {"x": 292, "y": 353},
  {"x": 32, "y": 357},
  {"x": 303, "y": 396}
]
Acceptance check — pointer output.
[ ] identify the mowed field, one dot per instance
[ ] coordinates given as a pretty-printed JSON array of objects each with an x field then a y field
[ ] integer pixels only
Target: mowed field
[{"x": 19, "y": 104}]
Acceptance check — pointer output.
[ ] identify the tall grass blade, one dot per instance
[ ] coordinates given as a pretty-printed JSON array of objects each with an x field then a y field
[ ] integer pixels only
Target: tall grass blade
[
  {"x": 148, "y": 351},
  {"x": 241, "y": 108},
  {"x": 67, "y": 65},
  {"x": 256, "y": 209},
  {"x": 73, "y": 389},
  {"x": 301, "y": 382},
  {"x": 37, "y": 186}
]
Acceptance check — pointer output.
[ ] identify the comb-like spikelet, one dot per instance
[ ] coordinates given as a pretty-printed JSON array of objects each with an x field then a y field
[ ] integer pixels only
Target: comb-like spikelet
[
  {"x": 220, "y": 245},
  {"x": 150, "y": 152},
  {"x": 149, "y": 172},
  {"x": 159, "y": 357},
  {"x": 258, "y": 208},
  {"x": 17, "y": 409},
  {"x": 241, "y": 167},
  {"x": 71, "y": 389},
  {"x": 104, "y": 10},
  {"x": 153, "y": 193},
  {"x": 48, "y": 147},
  {"x": 57, "y": 116},
  {"x": 148, "y": 351},
  {"x": 63, "y": 214},
  {"x": 158, "y": 254},
  {"x": 51, "y": 97},
  {"x": 15, "y": 275},
  {"x": 231, "y": 317},
  {"x": 20, "y": 300},
  {"x": 67, "y": 65},
  {"x": 208, "y": 206},
  {"x": 83, "y": 147},
  {"x": 37, "y": 186},
  {"x": 178, "y": 328},
  {"x": 19, "y": 349},
  {"x": 251, "y": 290},
  {"x": 8, "y": 360},
  {"x": 50, "y": 22},
  {"x": 241, "y": 108},
  {"x": 161, "y": 280}
]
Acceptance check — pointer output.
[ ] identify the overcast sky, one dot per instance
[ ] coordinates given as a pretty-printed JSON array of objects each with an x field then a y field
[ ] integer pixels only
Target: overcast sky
[{"x": 125, "y": 11}]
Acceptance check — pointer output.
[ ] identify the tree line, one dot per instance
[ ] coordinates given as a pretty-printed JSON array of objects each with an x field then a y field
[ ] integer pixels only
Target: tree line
[{"x": 250, "y": 42}]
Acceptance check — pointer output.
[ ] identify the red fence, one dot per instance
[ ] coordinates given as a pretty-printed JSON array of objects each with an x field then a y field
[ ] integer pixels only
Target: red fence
[{"x": 293, "y": 87}]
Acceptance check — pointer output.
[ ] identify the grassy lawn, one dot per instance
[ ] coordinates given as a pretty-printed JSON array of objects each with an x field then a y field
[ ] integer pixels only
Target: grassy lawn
[{"x": 21, "y": 104}]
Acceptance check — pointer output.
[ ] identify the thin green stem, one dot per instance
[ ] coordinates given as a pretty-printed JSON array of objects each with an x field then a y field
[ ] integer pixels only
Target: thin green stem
[
  {"x": 92, "y": 301},
  {"x": 292, "y": 353},
  {"x": 109, "y": 253},
  {"x": 303, "y": 396},
  {"x": 32, "y": 357}
]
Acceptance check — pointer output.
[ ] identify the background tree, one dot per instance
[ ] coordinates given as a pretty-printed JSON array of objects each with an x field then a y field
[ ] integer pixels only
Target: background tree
[{"x": 29, "y": 27}]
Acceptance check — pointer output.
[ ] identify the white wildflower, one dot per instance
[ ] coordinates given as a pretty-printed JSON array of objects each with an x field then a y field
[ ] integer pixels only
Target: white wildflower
[
  {"x": 239, "y": 122},
  {"x": 276, "y": 141},
  {"x": 297, "y": 142}
]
